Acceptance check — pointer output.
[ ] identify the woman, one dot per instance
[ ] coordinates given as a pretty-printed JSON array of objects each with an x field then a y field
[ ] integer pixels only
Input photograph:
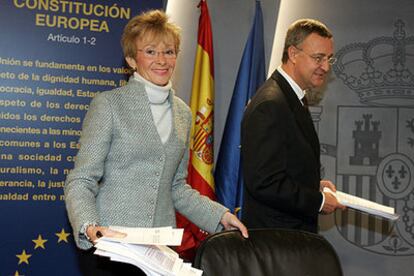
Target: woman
[{"x": 131, "y": 167}]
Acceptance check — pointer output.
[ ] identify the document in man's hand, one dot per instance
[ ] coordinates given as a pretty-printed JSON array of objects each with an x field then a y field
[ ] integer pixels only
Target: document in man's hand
[
  {"x": 364, "y": 205},
  {"x": 153, "y": 259}
]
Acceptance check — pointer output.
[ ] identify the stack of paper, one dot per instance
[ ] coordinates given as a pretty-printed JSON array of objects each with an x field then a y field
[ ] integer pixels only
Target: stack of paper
[
  {"x": 364, "y": 205},
  {"x": 147, "y": 249}
]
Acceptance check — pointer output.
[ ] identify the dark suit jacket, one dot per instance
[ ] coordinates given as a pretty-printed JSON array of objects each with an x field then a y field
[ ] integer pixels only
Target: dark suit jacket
[{"x": 281, "y": 162}]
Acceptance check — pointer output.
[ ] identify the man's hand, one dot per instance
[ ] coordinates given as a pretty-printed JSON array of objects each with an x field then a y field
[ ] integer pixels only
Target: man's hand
[
  {"x": 230, "y": 221},
  {"x": 328, "y": 184},
  {"x": 331, "y": 203}
]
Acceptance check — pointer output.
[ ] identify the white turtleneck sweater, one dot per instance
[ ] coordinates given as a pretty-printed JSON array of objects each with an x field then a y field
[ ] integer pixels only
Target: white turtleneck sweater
[{"x": 160, "y": 106}]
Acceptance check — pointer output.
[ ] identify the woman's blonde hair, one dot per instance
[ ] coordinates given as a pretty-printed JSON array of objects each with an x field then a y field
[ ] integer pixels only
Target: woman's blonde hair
[{"x": 152, "y": 24}]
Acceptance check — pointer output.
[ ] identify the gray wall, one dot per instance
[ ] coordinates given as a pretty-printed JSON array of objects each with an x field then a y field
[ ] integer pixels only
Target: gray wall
[{"x": 231, "y": 22}]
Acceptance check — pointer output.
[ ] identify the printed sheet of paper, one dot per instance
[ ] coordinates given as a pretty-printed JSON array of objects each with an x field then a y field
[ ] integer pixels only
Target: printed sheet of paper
[
  {"x": 153, "y": 258},
  {"x": 149, "y": 257},
  {"x": 364, "y": 205},
  {"x": 155, "y": 236}
]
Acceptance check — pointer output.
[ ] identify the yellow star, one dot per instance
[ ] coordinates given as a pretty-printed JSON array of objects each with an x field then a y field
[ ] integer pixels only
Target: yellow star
[
  {"x": 39, "y": 242},
  {"x": 17, "y": 273},
  {"x": 63, "y": 236},
  {"x": 24, "y": 258}
]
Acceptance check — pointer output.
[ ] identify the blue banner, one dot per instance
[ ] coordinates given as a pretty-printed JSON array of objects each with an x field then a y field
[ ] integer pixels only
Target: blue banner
[
  {"x": 55, "y": 56},
  {"x": 228, "y": 174}
]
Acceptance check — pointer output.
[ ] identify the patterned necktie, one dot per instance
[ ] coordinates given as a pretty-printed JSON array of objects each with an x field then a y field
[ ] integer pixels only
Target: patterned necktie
[
  {"x": 305, "y": 103},
  {"x": 306, "y": 107}
]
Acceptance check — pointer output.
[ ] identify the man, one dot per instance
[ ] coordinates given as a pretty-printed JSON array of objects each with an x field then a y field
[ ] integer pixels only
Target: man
[{"x": 280, "y": 147}]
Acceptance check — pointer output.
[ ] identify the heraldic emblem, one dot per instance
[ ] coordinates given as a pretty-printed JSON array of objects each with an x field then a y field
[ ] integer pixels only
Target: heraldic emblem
[{"x": 375, "y": 143}]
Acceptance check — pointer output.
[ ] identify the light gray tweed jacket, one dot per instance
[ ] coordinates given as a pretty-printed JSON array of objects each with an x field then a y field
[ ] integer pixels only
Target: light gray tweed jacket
[{"x": 124, "y": 175}]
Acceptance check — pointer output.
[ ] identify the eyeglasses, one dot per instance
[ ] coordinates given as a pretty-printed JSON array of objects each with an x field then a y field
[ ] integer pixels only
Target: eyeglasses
[
  {"x": 319, "y": 58},
  {"x": 151, "y": 53}
]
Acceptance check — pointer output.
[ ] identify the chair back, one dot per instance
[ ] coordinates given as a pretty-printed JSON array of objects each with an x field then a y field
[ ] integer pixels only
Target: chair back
[{"x": 267, "y": 252}]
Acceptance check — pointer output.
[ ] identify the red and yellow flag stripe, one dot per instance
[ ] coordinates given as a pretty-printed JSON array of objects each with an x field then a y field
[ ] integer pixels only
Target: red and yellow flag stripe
[
  {"x": 200, "y": 168},
  {"x": 200, "y": 174}
]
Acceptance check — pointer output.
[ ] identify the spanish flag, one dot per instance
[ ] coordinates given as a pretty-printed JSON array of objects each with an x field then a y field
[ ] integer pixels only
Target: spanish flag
[{"x": 200, "y": 169}]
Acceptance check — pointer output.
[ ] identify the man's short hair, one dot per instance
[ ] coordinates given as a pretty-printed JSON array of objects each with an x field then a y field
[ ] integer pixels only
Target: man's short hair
[{"x": 300, "y": 30}]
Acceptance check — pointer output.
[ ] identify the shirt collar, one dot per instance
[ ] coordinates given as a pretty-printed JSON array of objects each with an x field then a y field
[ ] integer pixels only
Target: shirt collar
[{"x": 298, "y": 91}]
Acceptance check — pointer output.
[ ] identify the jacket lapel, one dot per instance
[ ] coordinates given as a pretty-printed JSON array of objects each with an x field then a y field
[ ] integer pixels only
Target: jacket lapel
[{"x": 302, "y": 115}]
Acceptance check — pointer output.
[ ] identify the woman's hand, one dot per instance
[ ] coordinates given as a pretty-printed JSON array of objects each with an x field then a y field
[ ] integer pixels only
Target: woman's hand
[
  {"x": 96, "y": 232},
  {"x": 230, "y": 222}
]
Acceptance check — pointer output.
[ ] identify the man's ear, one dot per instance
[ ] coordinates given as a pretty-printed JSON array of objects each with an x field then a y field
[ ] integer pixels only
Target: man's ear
[
  {"x": 131, "y": 62},
  {"x": 292, "y": 53}
]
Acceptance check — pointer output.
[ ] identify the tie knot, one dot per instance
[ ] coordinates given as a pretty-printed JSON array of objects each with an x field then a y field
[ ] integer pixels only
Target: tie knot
[{"x": 305, "y": 102}]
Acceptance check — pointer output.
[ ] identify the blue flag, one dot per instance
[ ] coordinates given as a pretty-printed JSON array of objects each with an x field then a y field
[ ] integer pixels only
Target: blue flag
[{"x": 228, "y": 174}]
